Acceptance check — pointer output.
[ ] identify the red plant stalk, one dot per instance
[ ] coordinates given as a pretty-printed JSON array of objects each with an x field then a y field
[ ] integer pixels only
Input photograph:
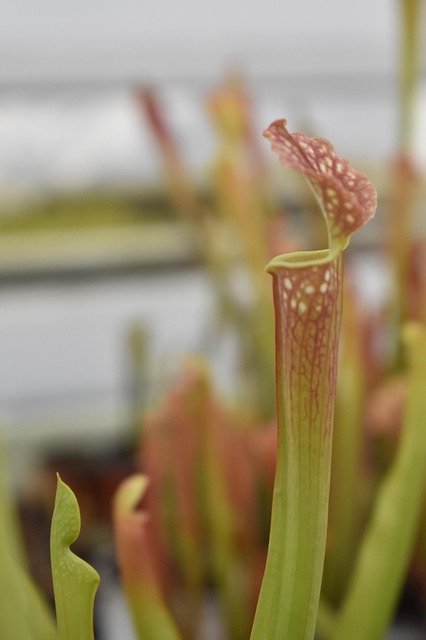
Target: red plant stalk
[
  {"x": 134, "y": 543},
  {"x": 221, "y": 507},
  {"x": 182, "y": 188},
  {"x": 201, "y": 497},
  {"x": 307, "y": 297},
  {"x": 154, "y": 461},
  {"x": 185, "y": 526},
  {"x": 404, "y": 192},
  {"x": 169, "y": 450}
]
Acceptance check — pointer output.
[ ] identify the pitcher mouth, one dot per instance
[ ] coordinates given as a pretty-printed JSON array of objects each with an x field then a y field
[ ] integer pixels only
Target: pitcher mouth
[{"x": 303, "y": 259}]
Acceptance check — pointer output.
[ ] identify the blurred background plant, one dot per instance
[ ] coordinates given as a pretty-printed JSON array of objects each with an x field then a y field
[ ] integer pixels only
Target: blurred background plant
[{"x": 138, "y": 210}]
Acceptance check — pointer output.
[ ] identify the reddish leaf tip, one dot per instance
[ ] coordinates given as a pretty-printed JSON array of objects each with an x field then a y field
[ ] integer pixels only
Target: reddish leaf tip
[
  {"x": 347, "y": 197},
  {"x": 281, "y": 123}
]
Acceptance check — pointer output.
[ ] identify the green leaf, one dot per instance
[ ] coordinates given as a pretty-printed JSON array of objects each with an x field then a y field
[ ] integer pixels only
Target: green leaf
[
  {"x": 389, "y": 539},
  {"x": 23, "y": 612},
  {"x": 74, "y": 581},
  {"x": 39, "y": 616}
]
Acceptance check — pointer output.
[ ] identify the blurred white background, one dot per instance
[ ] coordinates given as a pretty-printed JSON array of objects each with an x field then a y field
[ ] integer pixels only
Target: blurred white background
[{"x": 68, "y": 119}]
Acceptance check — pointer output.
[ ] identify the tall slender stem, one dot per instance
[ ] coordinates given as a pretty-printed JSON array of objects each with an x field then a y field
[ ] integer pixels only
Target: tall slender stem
[{"x": 307, "y": 296}]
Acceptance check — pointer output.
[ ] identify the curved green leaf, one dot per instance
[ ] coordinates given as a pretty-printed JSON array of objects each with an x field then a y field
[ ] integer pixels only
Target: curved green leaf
[
  {"x": 74, "y": 581},
  {"x": 389, "y": 539},
  {"x": 23, "y": 612}
]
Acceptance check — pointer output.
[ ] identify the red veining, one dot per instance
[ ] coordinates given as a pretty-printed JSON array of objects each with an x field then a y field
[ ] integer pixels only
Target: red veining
[
  {"x": 347, "y": 197},
  {"x": 308, "y": 308}
]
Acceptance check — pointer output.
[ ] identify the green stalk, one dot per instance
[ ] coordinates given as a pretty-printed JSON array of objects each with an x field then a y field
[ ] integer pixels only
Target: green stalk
[
  {"x": 389, "y": 539},
  {"x": 307, "y": 295},
  {"x": 24, "y": 614}
]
